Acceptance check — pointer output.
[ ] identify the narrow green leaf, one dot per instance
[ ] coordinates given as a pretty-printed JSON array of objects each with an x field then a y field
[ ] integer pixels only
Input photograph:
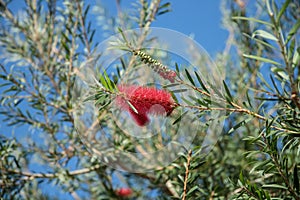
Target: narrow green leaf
[
  {"x": 163, "y": 12},
  {"x": 269, "y": 169},
  {"x": 180, "y": 117},
  {"x": 86, "y": 12},
  {"x": 197, "y": 165},
  {"x": 274, "y": 7},
  {"x": 179, "y": 90},
  {"x": 274, "y": 84},
  {"x": 259, "y": 41},
  {"x": 291, "y": 50},
  {"x": 100, "y": 102},
  {"x": 248, "y": 99},
  {"x": 264, "y": 81},
  {"x": 89, "y": 98},
  {"x": 166, "y": 5},
  {"x": 266, "y": 99},
  {"x": 177, "y": 69},
  {"x": 112, "y": 85},
  {"x": 64, "y": 36},
  {"x": 181, "y": 178},
  {"x": 238, "y": 125},
  {"x": 176, "y": 165},
  {"x": 186, "y": 101},
  {"x": 261, "y": 59},
  {"x": 122, "y": 34},
  {"x": 264, "y": 34},
  {"x": 258, "y": 165},
  {"x": 282, "y": 10},
  {"x": 227, "y": 91},
  {"x": 276, "y": 186},
  {"x": 123, "y": 63},
  {"x": 269, "y": 8},
  {"x": 109, "y": 83},
  {"x": 202, "y": 103},
  {"x": 174, "y": 97},
  {"x": 215, "y": 89},
  {"x": 193, "y": 189},
  {"x": 103, "y": 81},
  {"x": 280, "y": 72},
  {"x": 4, "y": 84},
  {"x": 253, "y": 19},
  {"x": 293, "y": 30},
  {"x": 92, "y": 36},
  {"x": 296, "y": 58},
  {"x": 17, "y": 101},
  {"x": 201, "y": 83},
  {"x": 285, "y": 165},
  {"x": 104, "y": 106},
  {"x": 89, "y": 26},
  {"x": 268, "y": 197},
  {"x": 171, "y": 85},
  {"x": 189, "y": 77},
  {"x": 296, "y": 180},
  {"x": 118, "y": 72},
  {"x": 13, "y": 123},
  {"x": 241, "y": 178}
]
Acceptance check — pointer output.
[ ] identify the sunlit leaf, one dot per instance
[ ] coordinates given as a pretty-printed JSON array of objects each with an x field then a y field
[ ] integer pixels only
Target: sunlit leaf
[
  {"x": 264, "y": 34},
  {"x": 266, "y": 60},
  {"x": 253, "y": 19}
]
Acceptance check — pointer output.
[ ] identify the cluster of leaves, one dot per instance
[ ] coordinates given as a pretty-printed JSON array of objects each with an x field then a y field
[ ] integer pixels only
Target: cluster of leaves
[
  {"x": 274, "y": 166},
  {"x": 257, "y": 157}
]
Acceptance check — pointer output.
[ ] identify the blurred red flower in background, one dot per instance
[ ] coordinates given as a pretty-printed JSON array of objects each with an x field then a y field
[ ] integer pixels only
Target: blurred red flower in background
[{"x": 124, "y": 192}]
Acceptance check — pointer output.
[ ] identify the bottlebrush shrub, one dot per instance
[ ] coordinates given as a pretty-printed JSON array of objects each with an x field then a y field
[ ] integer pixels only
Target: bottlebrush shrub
[{"x": 141, "y": 101}]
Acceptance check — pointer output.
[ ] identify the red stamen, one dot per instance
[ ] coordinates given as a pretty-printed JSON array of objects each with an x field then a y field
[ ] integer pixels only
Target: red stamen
[{"x": 145, "y": 100}]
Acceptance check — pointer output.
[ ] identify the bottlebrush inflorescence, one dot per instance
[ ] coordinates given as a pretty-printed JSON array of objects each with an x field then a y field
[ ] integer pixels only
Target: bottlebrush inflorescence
[
  {"x": 159, "y": 68},
  {"x": 142, "y": 101}
]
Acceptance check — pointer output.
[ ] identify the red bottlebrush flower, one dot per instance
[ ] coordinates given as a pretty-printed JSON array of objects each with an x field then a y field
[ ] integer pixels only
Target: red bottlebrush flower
[
  {"x": 124, "y": 192},
  {"x": 145, "y": 100}
]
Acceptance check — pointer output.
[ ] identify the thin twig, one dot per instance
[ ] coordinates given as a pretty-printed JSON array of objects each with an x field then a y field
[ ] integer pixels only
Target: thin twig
[
  {"x": 85, "y": 35},
  {"x": 31, "y": 176},
  {"x": 186, "y": 174},
  {"x": 72, "y": 52},
  {"x": 238, "y": 110}
]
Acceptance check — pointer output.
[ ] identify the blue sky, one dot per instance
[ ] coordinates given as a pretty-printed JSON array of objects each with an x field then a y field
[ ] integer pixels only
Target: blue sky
[
  {"x": 199, "y": 18},
  {"x": 193, "y": 17}
]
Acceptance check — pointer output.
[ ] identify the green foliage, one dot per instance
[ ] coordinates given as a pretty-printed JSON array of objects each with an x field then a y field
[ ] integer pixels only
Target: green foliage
[{"x": 257, "y": 156}]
